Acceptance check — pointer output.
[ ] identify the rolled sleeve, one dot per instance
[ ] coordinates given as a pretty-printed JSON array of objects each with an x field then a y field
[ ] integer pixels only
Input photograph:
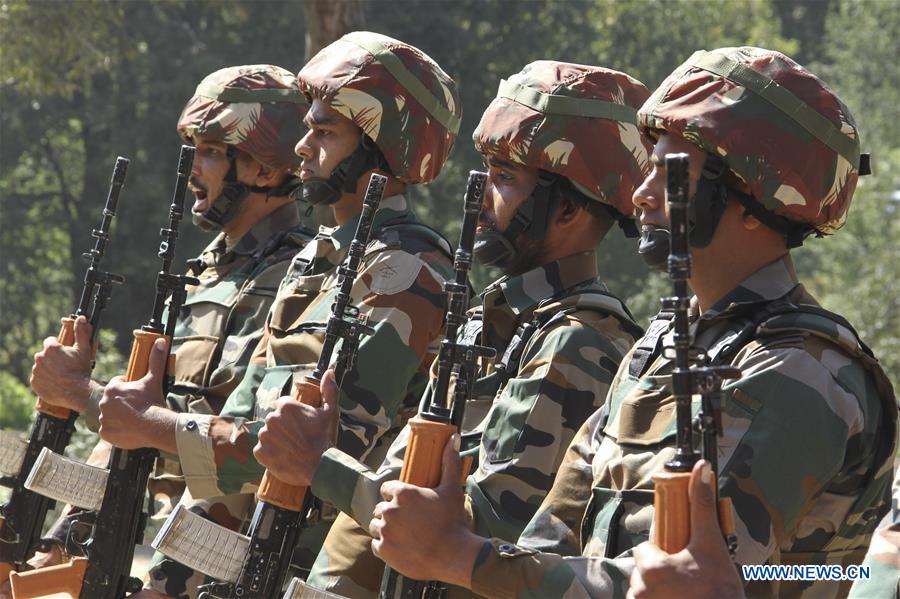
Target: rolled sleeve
[{"x": 195, "y": 452}]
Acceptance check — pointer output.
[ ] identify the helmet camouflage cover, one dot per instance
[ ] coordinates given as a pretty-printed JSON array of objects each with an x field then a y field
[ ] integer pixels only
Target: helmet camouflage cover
[
  {"x": 574, "y": 120},
  {"x": 776, "y": 125},
  {"x": 395, "y": 93},
  {"x": 256, "y": 108}
]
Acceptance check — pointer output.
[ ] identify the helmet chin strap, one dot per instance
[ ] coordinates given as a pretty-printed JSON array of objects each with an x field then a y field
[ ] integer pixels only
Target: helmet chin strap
[
  {"x": 498, "y": 248},
  {"x": 321, "y": 191},
  {"x": 705, "y": 212},
  {"x": 225, "y": 206}
]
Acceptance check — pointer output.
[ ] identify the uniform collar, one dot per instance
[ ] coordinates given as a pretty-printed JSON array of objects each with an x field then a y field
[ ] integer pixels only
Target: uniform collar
[
  {"x": 394, "y": 208},
  {"x": 523, "y": 292},
  {"x": 773, "y": 281},
  {"x": 279, "y": 220}
]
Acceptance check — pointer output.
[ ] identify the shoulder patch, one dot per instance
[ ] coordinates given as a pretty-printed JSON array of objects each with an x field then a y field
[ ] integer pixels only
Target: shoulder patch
[{"x": 393, "y": 272}]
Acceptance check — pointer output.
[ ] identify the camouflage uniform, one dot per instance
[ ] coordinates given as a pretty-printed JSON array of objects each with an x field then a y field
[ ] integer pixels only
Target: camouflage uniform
[
  {"x": 883, "y": 557},
  {"x": 558, "y": 334},
  {"x": 258, "y": 109},
  {"x": 399, "y": 287},
  {"x": 800, "y": 365}
]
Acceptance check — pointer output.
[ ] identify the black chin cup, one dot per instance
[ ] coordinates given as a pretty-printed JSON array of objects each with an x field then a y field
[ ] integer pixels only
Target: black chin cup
[
  {"x": 492, "y": 248},
  {"x": 654, "y": 248},
  {"x": 498, "y": 248},
  {"x": 319, "y": 191}
]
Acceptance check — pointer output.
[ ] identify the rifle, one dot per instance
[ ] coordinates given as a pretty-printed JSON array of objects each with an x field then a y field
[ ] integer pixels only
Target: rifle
[
  {"x": 22, "y": 517},
  {"x": 120, "y": 521},
  {"x": 281, "y": 507},
  {"x": 442, "y": 413},
  {"x": 671, "y": 503}
]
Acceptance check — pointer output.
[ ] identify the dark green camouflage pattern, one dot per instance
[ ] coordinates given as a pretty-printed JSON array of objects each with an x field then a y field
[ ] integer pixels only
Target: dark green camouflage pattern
[
  {"x": 527, "y": 420},
  {"x": 606, "y": 156},
  {"x": 395, "y": 93},
  {"x": 788, "y": 169},
  {"x": 266, "y": 126},
  {"x": 806, "y": 457},
  {"x": 399, "y": 289}
]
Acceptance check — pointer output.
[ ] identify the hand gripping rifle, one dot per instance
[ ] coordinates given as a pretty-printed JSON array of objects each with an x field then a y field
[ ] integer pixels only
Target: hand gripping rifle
[
  {"x": 264, "y": 555},
  {"x": 442, "y": 415},
  {"x": 671, "y": 503},
  {"x": 22, "y": 517},
  {"x": 119, "y": 526}
]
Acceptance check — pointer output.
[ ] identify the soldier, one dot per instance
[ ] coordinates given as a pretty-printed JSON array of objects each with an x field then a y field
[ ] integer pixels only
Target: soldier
[
  {"x": 564, "y": 155},
  {"x": 244, "y": 122},
  {"x": 809, "y": 431},
  {"x": 704, "y": 567},
  {"x": 377, "y": 105}
]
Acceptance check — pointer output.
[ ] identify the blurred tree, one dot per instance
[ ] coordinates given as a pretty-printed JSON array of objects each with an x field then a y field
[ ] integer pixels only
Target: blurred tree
[{"x": 95, "y": 79}]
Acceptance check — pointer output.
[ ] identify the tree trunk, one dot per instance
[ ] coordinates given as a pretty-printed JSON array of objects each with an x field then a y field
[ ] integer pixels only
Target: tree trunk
[{"x": 327, "y": 21}]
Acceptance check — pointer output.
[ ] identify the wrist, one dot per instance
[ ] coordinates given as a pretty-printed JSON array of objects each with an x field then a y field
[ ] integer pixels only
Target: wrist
[
  {"x": 163, "y": 424},
  {"x": 459, "y": 565}
]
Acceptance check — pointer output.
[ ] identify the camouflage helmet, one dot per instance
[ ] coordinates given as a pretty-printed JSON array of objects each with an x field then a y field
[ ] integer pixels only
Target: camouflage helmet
[
  {"x": 256, "y": 108},
  {"x": 395, "y": 93},
  {"x": 574, "y": 120},
  {"x": 775, "y": 125}
]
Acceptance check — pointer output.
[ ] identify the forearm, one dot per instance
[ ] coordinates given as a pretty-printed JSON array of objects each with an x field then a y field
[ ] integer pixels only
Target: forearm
[
  {"x": 216, "y": 454},
  {"x": 504, "y": 570}
]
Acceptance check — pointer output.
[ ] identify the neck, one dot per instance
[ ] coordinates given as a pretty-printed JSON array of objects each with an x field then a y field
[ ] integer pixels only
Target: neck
[
  {"x": 711, "y": 281},
  {"x": 251, "y": 211},
  {"x": 351, "y": 204}
]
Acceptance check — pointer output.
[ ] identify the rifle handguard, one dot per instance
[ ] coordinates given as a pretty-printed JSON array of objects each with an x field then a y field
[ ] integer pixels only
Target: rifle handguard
[
  {"x": 64, "y": 578},
  {"x": 271, "y": 490},
  {"x": 671, "y": 503},
  {"x": 139, "y": 360},
  {"x": 423, "y": 462},
  {"x": 66, "y": 337}
]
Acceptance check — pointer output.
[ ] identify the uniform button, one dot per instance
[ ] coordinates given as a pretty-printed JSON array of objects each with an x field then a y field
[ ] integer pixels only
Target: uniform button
[
  {"x": 505, "y": 548},
  {"x": 191, "y": 425}
]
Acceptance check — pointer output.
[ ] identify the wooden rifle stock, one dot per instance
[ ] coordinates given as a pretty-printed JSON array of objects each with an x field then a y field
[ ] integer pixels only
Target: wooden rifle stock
[
  {"x": 64, "y": 578},
  {"x": 274, "y": 491},
  {"x": 66, "y": 337}
]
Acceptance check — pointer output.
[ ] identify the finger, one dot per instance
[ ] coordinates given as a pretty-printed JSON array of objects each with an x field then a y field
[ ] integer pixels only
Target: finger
[
  {"x": 156, "y": 370},
  {"x": 451, "y": 464},
  {"x": 331, "y": 393},
  {"x": 646, "y": 553},
  {"x": 82, "y": 335},
  {"x": 704, "y": 519},
  {"x": 50, "y": 341},
  {"x": 390, "y": 489}
]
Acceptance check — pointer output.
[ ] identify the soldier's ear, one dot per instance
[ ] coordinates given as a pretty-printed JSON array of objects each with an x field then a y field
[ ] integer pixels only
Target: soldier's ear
[
  {"x": 568, "y": 212},
  {"x": 266, "y": 176}
]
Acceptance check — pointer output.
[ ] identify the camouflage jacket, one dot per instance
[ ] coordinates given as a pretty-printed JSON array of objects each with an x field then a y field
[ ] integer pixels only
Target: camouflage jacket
[
  {"x": 527, "y": 408},
  {"x": 808, "y": 409},
  {"x": 533, "y": 411},
  {"x": 399, "y": 288},
  {"x": 883, "y": 558},
  {"x": 219, "y": 325}
]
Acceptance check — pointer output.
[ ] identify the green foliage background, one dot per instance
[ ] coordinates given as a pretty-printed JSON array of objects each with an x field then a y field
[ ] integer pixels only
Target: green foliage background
[{"x": 84, "y": 81}]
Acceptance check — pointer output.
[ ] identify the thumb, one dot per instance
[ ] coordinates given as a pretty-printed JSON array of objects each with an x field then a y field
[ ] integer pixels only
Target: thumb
[
  {"x": 82, "y": 335},
  {"x": 451, "y": 464},
  {"x": 704, "y": 513},
  {"x": 156, "y": 367},
  {"x": 331, "y": 393}
]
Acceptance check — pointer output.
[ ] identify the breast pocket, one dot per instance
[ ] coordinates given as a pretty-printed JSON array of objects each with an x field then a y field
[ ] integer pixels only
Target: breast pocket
[
  {"x": 198, "y": 337},
  {"x": 508, "y": 418}
]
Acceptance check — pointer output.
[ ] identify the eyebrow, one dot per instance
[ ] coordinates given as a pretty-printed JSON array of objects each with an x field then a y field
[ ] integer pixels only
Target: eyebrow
[
  {"x": 318, "y": 120},
  {"x": 497, "y": 162}
]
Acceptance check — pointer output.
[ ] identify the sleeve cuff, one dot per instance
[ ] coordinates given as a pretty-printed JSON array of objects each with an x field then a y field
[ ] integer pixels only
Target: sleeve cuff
[
  {"x": 496, "y": 566},
  {"x": 195, "y": 452},
  {"x": 349, "y": 485}
]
